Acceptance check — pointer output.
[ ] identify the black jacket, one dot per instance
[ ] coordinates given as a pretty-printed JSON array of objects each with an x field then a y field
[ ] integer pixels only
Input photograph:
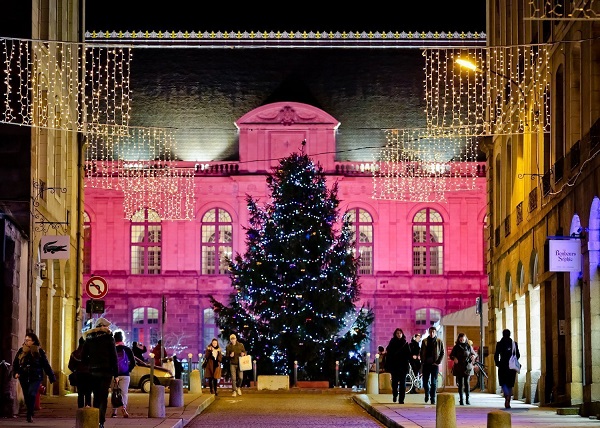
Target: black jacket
[
  {"x": 100, "y": 352},
  {"x": 33, "y": 365},
  {"x": 397, "y": 356}
]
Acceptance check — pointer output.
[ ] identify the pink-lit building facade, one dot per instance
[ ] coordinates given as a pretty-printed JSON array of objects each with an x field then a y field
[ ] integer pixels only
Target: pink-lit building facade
[{"x": 408, "y": 280}]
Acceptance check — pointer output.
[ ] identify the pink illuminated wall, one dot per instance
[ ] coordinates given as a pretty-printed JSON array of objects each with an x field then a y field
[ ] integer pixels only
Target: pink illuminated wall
[{"x": 398, "y": 296}]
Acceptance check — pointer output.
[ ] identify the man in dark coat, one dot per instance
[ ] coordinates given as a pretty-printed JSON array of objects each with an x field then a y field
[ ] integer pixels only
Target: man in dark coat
[
  {"x": 432, "y": 353},
  {"x": 396, "y": 363},
  {"x": 100, "y": 354}
]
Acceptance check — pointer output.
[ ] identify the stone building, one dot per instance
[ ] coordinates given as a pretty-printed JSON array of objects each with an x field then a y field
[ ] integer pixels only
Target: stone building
[{"x": 544, "y": 186}]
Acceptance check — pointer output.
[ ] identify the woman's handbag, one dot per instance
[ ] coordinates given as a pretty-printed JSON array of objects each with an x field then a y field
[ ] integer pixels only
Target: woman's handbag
[
  {"x": 245, "y": 363},
  {"x": 513, "y": 362},
  {"x": 73, "y": 379},
  {"x": 116, "y": 398}
]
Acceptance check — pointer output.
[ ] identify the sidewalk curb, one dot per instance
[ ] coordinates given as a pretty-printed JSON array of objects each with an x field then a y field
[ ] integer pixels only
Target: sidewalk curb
[{"x": 364, "y": 401}]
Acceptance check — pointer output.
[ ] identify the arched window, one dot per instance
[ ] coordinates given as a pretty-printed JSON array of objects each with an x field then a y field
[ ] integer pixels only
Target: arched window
[
  {"x": 217, "y": 236},
  {"x": 145, "y": 326},
  {"x": 87, "y": 244},
  {"x": 428, "y": 243},
  {"x": 427, "y": 317},
  {"x": 146, "y": 242},
  {"x": 362, "y": 222}
]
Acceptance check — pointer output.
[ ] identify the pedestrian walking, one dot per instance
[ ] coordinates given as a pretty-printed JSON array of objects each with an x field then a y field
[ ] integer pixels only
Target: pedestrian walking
[
  {"x": 213, "y": 357},
  {"x": 234, "y": 351},
  {"x": 100, "y": 353},
  {"x": 29, "y": 367},
  {"x": 81, "y": 374},
  {"x": 432, "y": 353},
  {"x": 396, "y": 363},
  {"x": 415, "y": 357},
  {"x": 463, "y": 356},
  {"x": 506, "y": 376},
  {"x": 125, "y": 364}
]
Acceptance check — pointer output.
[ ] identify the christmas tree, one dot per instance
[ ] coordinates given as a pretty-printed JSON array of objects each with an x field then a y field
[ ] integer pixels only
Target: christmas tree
[{"x": 296, "y": 285}]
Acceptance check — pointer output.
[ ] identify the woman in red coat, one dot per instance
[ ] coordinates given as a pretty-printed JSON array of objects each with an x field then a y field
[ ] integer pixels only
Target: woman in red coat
[{"x": 212, "y": 365}]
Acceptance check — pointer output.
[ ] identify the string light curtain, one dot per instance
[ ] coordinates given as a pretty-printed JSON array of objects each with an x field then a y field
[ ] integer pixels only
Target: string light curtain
[
  {"x": 422, "y": 165},
  {"x": 505, "y": 91},
  {"x": 36, "y": 74},
  {"x": 142, "y": 163}
]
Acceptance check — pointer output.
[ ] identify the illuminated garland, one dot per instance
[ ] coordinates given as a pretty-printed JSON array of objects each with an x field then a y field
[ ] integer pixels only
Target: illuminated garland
[
  {"x": 506, "y": 92},
  {"x": 141, "y": 162},
  {"x": 420, "y": 166},
  {"x": 570, "y": 10},
  {"x": 62, "y": 85}
]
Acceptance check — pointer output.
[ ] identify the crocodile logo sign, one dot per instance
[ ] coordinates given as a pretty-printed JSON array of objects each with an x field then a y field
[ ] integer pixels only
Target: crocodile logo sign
[{"x": 54, "y": 247}]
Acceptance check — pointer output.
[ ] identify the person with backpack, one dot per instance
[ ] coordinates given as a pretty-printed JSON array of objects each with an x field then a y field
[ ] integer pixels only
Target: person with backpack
[{"x": 125, "y": 363}]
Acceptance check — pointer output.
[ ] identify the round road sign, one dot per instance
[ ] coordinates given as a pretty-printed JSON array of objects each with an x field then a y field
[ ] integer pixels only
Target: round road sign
[{"x": 96, "y": 287}]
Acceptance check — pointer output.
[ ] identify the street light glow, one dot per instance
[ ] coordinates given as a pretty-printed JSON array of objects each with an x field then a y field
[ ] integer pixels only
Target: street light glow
[{"x": 466, "y": 64}]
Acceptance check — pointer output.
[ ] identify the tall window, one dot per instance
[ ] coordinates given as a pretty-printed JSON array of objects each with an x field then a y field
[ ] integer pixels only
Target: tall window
[
  {"x": 427, "y": 317},
  {"x": 145, "y": 326},
  {"x": 428, "y": 243},
  {"x": 363, "y": 234},
  {"x": 146, "y": 242},
  {"x": 216, "y": 241},
  {"x": 87, "y": 244},
  {"x": 209, "y": 327}
]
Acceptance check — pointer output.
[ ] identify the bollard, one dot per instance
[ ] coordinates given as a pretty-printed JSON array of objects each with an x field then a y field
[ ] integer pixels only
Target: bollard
[
  {"x": 40, "y": 391},
  {"x": 151, "y": 370},
  {"x": 295, "y": 373},
  {"x": 195, "y": 384},
  {"x": 156, "y": 408},
  {"x": 498, "y": 419},
  {"x": 377, "y": 363},
  {"x": 87, "y": 417},
  {"x": 254, "y": 371},
  {"x": 367, "y": 368},
  {"x": 337, "y": 374},
  {"x": 189, "y": 370},
  {"x": 176, "y": 393},
  {"x": 373, "y": 383},
  {"x": 385, "y": 383},
  {"x": 445, "y": 411}
]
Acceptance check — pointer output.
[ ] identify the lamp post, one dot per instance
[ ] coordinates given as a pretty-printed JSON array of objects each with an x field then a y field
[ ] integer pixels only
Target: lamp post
[{"x": 465, "y": 63}]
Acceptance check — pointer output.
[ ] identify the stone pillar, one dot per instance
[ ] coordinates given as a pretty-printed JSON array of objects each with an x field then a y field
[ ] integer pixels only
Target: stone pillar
[
  {"x": 195, "y": 383},
  {"x": 445, "y": 410},
  {"x": 385, "y": 383},
  {"x": 176, "y": 393},
  {"x": 498, "y": 419},
  {"x": 373, "y": 383},
  {"x": 156, "y": 405},
  {"x": 88, "y": 417}
]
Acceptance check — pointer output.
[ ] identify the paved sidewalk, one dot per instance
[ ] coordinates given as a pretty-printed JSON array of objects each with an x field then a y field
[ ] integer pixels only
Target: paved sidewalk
[
  {"x": 60, "y": 411},
  {"x": 416, "y": 414}
]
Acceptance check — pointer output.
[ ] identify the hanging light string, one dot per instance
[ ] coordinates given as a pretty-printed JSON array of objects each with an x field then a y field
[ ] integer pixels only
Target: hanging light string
[
  {"x": 422, "y": 165},
  {"x": 83, "y": 84},
  {"x": 505, "y": 91}
]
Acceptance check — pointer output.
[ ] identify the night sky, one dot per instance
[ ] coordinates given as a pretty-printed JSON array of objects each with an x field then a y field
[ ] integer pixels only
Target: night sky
[{"x": 402, "y": 15}]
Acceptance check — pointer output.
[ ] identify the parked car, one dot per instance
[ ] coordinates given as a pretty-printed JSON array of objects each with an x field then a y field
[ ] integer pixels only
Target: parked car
[{"x": 140, "y": 376}]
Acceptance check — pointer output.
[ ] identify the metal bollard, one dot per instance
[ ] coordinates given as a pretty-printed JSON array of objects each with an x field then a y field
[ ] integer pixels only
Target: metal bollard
[
  {"x": 367, "y": 368},
  {"x": 254, "y": 371},
  {"x": 377, "y": 363},
  {"x": 151, "y": 371},
  {"x": 190, "y": 355},
  {"x": 337, "y": 374},
  {"x": 295, "y": 373}
]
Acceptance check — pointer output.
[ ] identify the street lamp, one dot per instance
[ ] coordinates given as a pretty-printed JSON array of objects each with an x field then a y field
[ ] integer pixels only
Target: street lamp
[{"x": 465, "y": 63}]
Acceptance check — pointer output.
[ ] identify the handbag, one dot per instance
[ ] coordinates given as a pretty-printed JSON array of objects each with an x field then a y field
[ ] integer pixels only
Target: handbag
[
  {"x": 513, "y": 362},
  {"x": 116, "y": 398},
  {"x": 73, "y": 379},
  {"x": 245, "y": 363}
]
